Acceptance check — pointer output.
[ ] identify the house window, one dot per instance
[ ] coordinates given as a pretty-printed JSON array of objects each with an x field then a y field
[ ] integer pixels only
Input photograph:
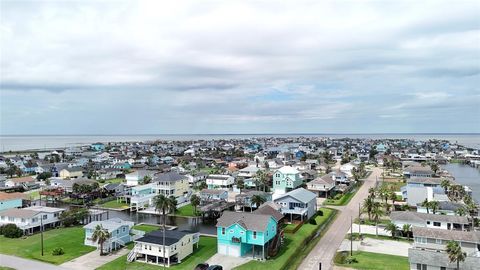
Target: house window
[
  {"x": 254, "y": 235},
  {"x": 23, "y": 220},
  {"x": 241, "y": 232},
  {"x": 223, "y": 231},
  {"x": 443, "y": 268},
  {"x": 44, "y": 217},
  {"x": 421, "y": 240},
  {"x": 438, "y": 241},
  {"x": 11, "y": 219},
  {"x": 124, "y": 229},
  {"x": 436, "y": 224},
  {"x": 428, "y": 222},
  {"x": 231, "y": 231}
]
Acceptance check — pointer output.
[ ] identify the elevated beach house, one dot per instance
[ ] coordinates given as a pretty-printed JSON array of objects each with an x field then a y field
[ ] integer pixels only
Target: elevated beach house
[
  {"x": 150, "y": 248},
  {"x": 298, "y": 204},
  {"x": 242, "y": 234},
  {"x": 120, "y": 233},
  {"x": 285, "y": 179}
]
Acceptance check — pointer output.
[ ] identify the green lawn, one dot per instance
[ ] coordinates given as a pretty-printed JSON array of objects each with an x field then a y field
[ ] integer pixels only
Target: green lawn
[
  {"x": 116, "y": 205},
  {"x": 207, "y": 248},
  {"x": 292, "y": 247},
  {"x": 115, "y": 180},
  {"x": 6, "y": 268},
  {"x": 396, "y": 185},
  {"x": 345, "y": 199},
  {"x": 70, "y": 239},
  {"x": 375, "y": 261},
  {"x": 146, "y": 228},
  {"x": 186, "y": 211}
]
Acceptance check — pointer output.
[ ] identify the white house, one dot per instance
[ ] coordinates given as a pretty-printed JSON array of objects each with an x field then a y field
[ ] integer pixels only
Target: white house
[
  {"x": 136, "y": 178},
  {"x": 150, "y": 248},
  {"x": 120, "y": 233},
  {"x": 30, "y": 219},
  {"x": 220, "y": 181}
]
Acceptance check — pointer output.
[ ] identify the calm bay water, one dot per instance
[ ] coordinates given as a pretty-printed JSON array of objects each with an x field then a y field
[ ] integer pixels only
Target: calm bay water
[
  {"x": 466, "y": 175},
  {"x": 18, "y": 143}
]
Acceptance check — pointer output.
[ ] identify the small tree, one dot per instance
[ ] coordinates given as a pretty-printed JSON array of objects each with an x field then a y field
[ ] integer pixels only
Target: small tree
[
  {"x": 376, "y": 214},
  {"x": 392, "y": 228},
  {"x": 100, "y": 235},
  {"x": 455, "y": 253},
  {"x": 406, "y": 230},
  {"x": 257, "y": 200},
  {"x": 195, "y": 201}
]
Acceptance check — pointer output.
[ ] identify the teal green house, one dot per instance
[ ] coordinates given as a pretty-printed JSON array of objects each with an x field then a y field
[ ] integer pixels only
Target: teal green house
[
  {"x": 243, "y": 234},
  {"x": 286, "y": 179}
]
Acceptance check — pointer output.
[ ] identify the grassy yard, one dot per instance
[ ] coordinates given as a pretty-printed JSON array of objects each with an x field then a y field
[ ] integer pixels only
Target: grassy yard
[
  {"x": 345, "y": 199},
  {"x": 116, "y": 205},
  {"x": 70, "y": 239},
  {"x": 375, "y": 261},
  {"x": 186, "y": 211},
  {"x": 6, "y": 268},
  {"x": 115, "y": 180},
  {"x": 146, "y": 228},
  {"x": 396, "y": 185},
  {"x": 292, "y": 247},
  {"x": 207, "y": 248},
  {"x": 365, "y": 221}
]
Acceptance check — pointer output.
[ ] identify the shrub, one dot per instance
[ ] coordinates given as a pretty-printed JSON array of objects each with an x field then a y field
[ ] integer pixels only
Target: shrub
[
  {"x": 338, "y": 196},
  {"x": 12, "y": 231},
  {"x": 312, "y": 221},
  {"x": 350, "y": 260},
  {"x": 58, "y": 251},
  {"x": 320, "y": 213}
]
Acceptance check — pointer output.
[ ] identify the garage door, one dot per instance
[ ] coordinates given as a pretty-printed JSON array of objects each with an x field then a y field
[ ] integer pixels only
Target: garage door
[
  {"x": 222, "y": 249},
  {"x": 234, "y": 251}
]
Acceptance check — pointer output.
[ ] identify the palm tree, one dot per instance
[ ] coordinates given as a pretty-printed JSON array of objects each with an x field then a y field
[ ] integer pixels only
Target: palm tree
[
  {"x": 455, "y": 253},
  {"x": 392, "y": 228},
  {"x": 195, "y": 201},
  {"x": 445, "y": 184},
  {"x": 162, "y": 204},
  {"x": 371, "y": 192},
  {"x": 172, "y": 204},
  {"x": 257, "y": 200},
  {"x": 100, "y": 235},
  {"x": 426, "y": 204},
  {"x": 263, "y": 178},
  {"x": 434, "y": 205},
  {"x": 368, "y": 206},
  {"x": 461, "y": 211},
  {"x": 376, "y": 214},
  {"x": 240, "y": 185},
  {"x": 406, "y": 230}
]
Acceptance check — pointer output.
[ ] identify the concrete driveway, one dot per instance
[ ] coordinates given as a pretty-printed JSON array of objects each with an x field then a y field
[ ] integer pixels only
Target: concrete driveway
[
  {"x": 93, "y": 260},
  {"x": 227, "y": 262},
  {"x": 326, "y": 248}
]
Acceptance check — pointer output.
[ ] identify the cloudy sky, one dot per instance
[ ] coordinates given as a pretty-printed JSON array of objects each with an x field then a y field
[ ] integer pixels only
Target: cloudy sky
[{"x": 130, "y": 67}]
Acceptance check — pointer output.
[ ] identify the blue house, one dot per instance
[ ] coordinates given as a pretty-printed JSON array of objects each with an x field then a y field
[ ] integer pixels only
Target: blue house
[
  {"x": 242, "y": 234},
  {"x": 299, "y": 154},
  {"x": 98, "y": 146},
  {"x": 11, "y": 200},
  {"x": 120, "y": 231}
]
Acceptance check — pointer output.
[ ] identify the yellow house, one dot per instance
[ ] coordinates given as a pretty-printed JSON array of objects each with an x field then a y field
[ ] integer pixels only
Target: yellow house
[
  {"x": 73, "y": 172},
  {"x": 172, "y": 184}
]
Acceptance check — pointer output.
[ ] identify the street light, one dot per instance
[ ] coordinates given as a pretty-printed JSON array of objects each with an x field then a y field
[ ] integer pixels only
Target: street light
[{"x": 41, "y": 231}]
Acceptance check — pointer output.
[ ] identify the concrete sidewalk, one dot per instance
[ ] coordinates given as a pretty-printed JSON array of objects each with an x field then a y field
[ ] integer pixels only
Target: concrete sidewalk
[
  {"x": 26, "y": 264},
  {"x": 93, "y": 260}
]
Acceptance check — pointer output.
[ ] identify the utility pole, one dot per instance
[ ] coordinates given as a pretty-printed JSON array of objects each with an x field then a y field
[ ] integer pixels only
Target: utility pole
[
  {"x": 359, "y": 221},
  {"x": 41, "y": 231},
  {"x": 351, "y": 236}
]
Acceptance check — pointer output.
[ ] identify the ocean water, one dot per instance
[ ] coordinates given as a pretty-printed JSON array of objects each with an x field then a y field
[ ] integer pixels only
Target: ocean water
[{"x": 28, "y": 142}]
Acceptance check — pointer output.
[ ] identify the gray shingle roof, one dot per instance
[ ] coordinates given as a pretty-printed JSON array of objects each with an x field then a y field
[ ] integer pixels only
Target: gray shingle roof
[
  {"x": 422, "y": 217},
  {"x": 168, "y": 177},
  {"x": 300, "y": 194},
  {"x": 249, "y": 221},
  {"x": 466, "y": 236}
]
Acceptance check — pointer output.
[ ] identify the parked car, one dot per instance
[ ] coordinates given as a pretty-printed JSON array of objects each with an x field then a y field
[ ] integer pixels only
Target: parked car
[
  {"x": 215, "y": 267},
  {"x": 202, "y": 266}
]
